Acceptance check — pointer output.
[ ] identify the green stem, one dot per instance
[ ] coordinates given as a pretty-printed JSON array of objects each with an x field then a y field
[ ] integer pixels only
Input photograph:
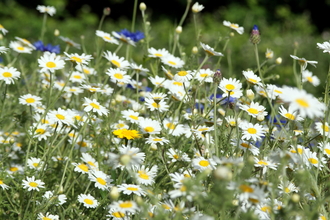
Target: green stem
[
  {"x": 134, "y": 15},
  {"x": 43, "y": 29}
]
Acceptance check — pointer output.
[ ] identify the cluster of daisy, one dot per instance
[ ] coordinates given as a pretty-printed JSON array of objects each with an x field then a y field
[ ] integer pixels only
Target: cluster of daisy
[{"x": 112, "y": 137}]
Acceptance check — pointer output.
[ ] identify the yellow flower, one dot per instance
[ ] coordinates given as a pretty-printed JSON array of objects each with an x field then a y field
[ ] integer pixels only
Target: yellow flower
[{"x": 128, "y": 134}]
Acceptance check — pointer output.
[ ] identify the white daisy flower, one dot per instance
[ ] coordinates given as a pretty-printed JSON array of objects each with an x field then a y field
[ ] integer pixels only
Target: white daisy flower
[
  {"x": 30, "y": 100},
  {"x": 50, "y": 62},
  {"x": 307, "y": 76},
  {"x": 303, "y": 62},
  {"x": 200, "y": 163},
  {"x": 106, "y": 37},
  {"x": 46, "y": 9},
  {"x": 76, "y": 58},
  {"x": 102, "y": 181},
  {"x": 32, "y": 184},
  {"x": 118, "y": 62},
  {"x": 252, "y": 131},
  {"x": 94, "y": 106},
  {"x": 197, "y": 7},
  {"x": 149, "y": 126},
  {"x": 118, "y": 75},
  {"x": 158, "y": 53},
  {"x": 252, "y": 78},
  {"x": 210, "y": 51},
  {"x": 289, "y": 114},
  {"x": 124, "y": 206},
  {"x": 325, "y": 46},
  {"x": 129, "y": 189},
  {"x": 145, "y": 175},
  {"x": 233, "y": 26},
  {"x": 9, "y": 74},
  {"x": 323, "y": 128},
  {"x": 172, "y": 61},
  {"x": 47, "y": 216},
  {"x": 19, "y": 47},
  {"x": 231, "y": 87},
  {"x": 88, "y": 200},
  {"x": 254, "y": 109}
]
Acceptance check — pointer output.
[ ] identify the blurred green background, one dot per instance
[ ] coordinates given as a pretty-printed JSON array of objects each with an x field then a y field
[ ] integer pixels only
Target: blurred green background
[{"x": 284, "y": 26}]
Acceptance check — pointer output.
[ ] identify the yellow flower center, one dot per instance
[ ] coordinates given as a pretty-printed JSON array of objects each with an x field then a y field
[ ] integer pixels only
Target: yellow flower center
[
  {"x": 40, "y": 131},
  {"x": 91, "y": 163},
  {"x": 77, "y": 76},
  {"x": 7, "y": 74},
  {"x": 149, "y": 129},
  {"x": 95, "y": 105},
  {"x": 50, "y": 64},
  {"x": 266, "y": 209},
  {"x": 245, "y": 145},
  {"x": 83, "y": 167},
  {"x": 309, "y": 79},
  {"x": 287, "y": 190},
  {"x": 30, "y": 100},
  {"x": 89, "y": 201},
  {"x": 143, "y": 175},
  {"x": 132, "y": 188},
  {"x": 101, "y": 181},
  {"x": 252, "y": 130},
  {"x": 1, "y": 182},
  {"x": 264, "y": 163},
  {"x": 46, "y": 218},
  {"x": 170, "y": 126},
  {"x": 313, "y": 160},
  {"x": 118, "y": 75},
  {"x": 289, "y": 116},
  {"x": 182, "y": 73},
  {"x": 327, "y": 151},
  {"x": 203, "y": 75},
  {"x": 230, "y": 87},
  {"x": 61, "y": 117},
  {"x": 35, "y": 164},
  {"x": 33, "y": 184},
  {"x": 86, "y": 71},
  {"x": 178, "y": 83},
  {"x": 158, "y": 55},
  {"x": 326, "y": 128},
  {"x": 157, "y": 139},
  {"x": 252, "y": 80},
  {"x": 204, "y": 163},
  {"x": 253, "y": 111},
  {"x": 134, "y": 117},
  {"x": 13, "y": 169},
  {"x": 302, "y": 103},
  {"x": 125, "y": 205},
  {"x": 172, "y": 63},
  {"x": 20, "y": 48},
  {"x": 246, "y": 188},
  {"x": 118, "y": 214},
  {"x": 234, "y": 26},
  {"x": 155, "y": 105},
  {"x": 107, "y": 38},
  {"x": 116, "y": 63},
  {"x": 76, "y": 59}
]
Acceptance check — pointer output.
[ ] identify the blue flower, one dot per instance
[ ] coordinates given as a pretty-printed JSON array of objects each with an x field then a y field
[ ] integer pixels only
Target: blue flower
[
  {"x": 138, "y": 35},
  {"x": 50, "y": 48},
  {"x": 198, "y": 106},
  {"x": 224, "y": 101}
]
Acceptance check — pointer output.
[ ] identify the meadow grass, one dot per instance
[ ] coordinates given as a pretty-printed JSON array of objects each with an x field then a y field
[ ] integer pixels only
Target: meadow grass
[{"x": 116, "y": 127}]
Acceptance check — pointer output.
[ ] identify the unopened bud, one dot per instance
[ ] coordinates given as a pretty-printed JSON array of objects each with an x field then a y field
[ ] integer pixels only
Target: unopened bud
[
  {"x": 114, "y": 193},
  {"x": 217, "y": 77},
  {"x": 106, "y": 11},
  {"x": 250, "y": 94},
  {"x": 232, "y": 34},
  {"x": 255, "y": 35},
  {"x": 178, "y": 30},
  {"x": 260, "y": 117},
  {"x": 278, "y": 60},
  {"x": 295, "y": 198},
  {"x": 223, "y": 173},
  {"x": 194, "y": 50},
  {"x": 153, "y": 147},
  {"x": 143, "y": 6},
  {"x": 57, "y": 32}
]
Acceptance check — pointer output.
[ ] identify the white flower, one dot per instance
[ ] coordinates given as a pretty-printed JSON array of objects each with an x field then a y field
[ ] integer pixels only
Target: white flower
[
  {"x": 94, "y": 106},
  {"x": 30, "y": 100},
  {"x": 210, "y": 51},
  {"x": 88, "y": 201},
  {"x": 233, "y": 26},
  {"x": 197, "y": 7},
  {"x": 200, "y": 163},
  {"x": 325, "y": 47},
  {"x": 129, "y": 189},
  {"x": 307, "y": 76},
  {"x": 106, "y": 37},
  {"x": 172, "y": 61},
  {"x": 50, "y": 62},
  {"x": 46, "y": 9},
  {"x": 9, "y": 74},
  {"x": 303, "y": 62},
  {"x": 251, "y": 131},
  {"x": 32, "y": 184}
]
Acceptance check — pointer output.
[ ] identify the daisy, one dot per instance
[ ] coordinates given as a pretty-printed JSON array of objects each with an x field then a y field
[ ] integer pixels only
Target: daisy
[
  {"x": 138, "y": 68},
  {"x": 254, "y": 109},
  {"x": 128, "y": 157},
  {"x": 172, "y": 61},
  {"x": 251, "y": 77},
  {"x": 123, "y": 38},
  {"x": 9, "y": 74},
  {"x": 204, "y": 75},
  {"x": 307, "y": 76},
  {"x": 157, "y": 140},
  {"x": 91, "y": 88},
  {"x": 252, "y": 131},
  {"x": 183, "y": 76},
  {"x": 102, "y": 181},
  {"x": 77, "y": 77},
  {"x": 304, "y": 103},
  {"x": 233, "y": 26},
  {"x": 264, "y": 163},
  {"x": 303, "y": 62},
  {"x": 131, "y": 116},
  {"x": 47, "y": 216},
  {"x": 129, "y": 189},
  {"x": 322, "y": 128},
  {"x": 325, "y": 46},
  {"x": 3, "y": 185},
  {"x": 124, "y": 206},
  {"x": 269, "y": 54},
  {"x": 287, "y": 188},
  {"x": 50, "y": 62},
  {"x": 231, "y": 87},
  {"x": 34, "y": 163},
  {"x": 145, "y": 175},
  {"x": 88, "y": 201},
  {"x": 46, "y": 9},
  {"x": 245, "y": 145},
  {"x": 88, "y": 159},
  {"x": 210, "y": 51},
  {"x": 80, "y": 168},
  {"x": 158, "y": 53},
  {"x": 25, "y": 42},
  {"x": 94, "y": 106},
  {"x": 149, "y": 126},
  {"x": 18, "y": 47},
  {"x": 106, "y": 37},
  {"x": 289, "y": 114},
  {"x": 177, "y": 155},
  {"x": 311, "y": 159},
  {"x": 118, "y": 75},
  {"x": 61, "y": 116},
  {"x": 3, "y": 30},
  {"x": 30, "y": 100},
  {"x": 120, "y": 63},
  {"x": 201, "y": 164},
  {"x": 76, "y": 58},
  {"x": 325, "y": 147},
  {"x": 157, "y": 81},
  {"x": 197, "y": 7},
  {"x": 118, "y": 215},
  {"x": 153, "y": 105},
  {"x": 32, "y": 184},
  {"x": 232, "y": 121},
  {"x": 173, "y": 127},
  {"x": 70, "y": 42}
]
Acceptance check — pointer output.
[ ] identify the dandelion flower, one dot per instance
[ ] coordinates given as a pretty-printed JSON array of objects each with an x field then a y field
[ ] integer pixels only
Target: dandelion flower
[
  {"x": 233, "y": 26},
  {"x": 50, "y": 62},
  {"x": 128, "y": 134},
  {"x": 46, "y": 9},
  {"x": 88, "y": 201},
  {"x": 32, "y": 184},
  {"x": 9, "y": 74},
  {"x": 94, "y": 106}
]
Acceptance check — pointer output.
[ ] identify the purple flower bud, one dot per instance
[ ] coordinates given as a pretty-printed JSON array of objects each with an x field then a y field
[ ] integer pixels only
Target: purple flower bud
[{"x": 255, "y": 35}]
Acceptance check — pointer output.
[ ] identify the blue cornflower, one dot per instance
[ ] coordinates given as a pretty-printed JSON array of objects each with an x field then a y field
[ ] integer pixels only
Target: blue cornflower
[
  {"x": 138, "y": 35},
  {"x": 198, "y": 106},
  {"x": 50, "y": 48},
  {"x": 224, "y": 101}
]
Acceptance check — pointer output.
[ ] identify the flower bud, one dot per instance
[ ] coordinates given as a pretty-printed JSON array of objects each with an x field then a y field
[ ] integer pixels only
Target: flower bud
[
  {"x": 194, "y": 50},
  {"x": 295, "y": 198},
  {"x": 178, "y": 30},
  {"x": 250, "y": 94},
  {"x": 143, "y": 6},
  {"x": 255, "y": 35},
  {"x": 114, "y": 193},
  {"x": 106, "y": 11},
  {"x": 223, "y": 173},
  {"x": 217, "y": 76},
  {"x": 278, "y": 60},
  {"x": 57, "y": 32}
]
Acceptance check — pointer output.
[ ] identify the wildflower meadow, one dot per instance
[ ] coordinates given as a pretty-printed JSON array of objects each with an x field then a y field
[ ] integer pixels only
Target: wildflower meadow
[{"x": 112, "y": 126}]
